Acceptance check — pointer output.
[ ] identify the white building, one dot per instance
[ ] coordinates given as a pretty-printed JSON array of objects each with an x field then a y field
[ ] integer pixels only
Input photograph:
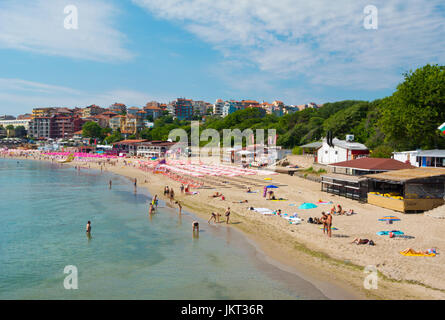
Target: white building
[
  {"x": 218, "y": 107},
  {"x": 342, "y": 150},
  {"x": 422, "y": 158},
  {"x": 16, "y": 123}
]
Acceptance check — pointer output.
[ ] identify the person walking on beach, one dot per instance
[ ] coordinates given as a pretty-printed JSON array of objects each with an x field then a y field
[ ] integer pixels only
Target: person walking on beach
[
  {"x": 227, "y": 214},
  {"x": 88, "y": 228},
  {"x": 329, "y": 224},
  {"x": 182, "y": 188}
]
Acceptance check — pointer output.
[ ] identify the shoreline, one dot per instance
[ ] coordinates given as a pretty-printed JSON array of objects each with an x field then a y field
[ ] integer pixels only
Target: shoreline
[{"x": 335, "y": 278}]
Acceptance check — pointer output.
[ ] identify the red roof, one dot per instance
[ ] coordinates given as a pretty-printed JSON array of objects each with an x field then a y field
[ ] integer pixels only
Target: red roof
[
  {"x": 384, "y": 164},
  {"x": 129, "y": 141}
]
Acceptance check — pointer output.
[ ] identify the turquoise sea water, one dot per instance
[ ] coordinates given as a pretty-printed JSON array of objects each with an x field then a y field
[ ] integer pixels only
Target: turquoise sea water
[{"x": 43, "y": 212}]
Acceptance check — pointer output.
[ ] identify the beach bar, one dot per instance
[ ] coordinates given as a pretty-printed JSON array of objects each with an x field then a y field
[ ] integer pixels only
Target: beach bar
[
  {"x": 347, "y": 186},
  {"x": 408, "y": 190}
]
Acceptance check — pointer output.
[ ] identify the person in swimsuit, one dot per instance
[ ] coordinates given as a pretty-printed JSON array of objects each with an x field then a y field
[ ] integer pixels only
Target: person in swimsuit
[
  {"x": 212, "y": 217},
  {"x": 172, "y": 195},
  {"x": 195, "y": 226},
  {"x": 179, "y": 207},
  {"x": 227, "y": 214},
  {"x": 154, "y": 201},
  {"x": 151, "y": 209},
  {"x": 323, "y": 221},
  {"x": 88, "y": 228},
  {"x": 329, "y": 224}
]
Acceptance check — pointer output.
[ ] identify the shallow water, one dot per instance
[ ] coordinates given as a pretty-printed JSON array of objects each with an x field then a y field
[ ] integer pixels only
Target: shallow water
[{"x": 43, "y": 212}]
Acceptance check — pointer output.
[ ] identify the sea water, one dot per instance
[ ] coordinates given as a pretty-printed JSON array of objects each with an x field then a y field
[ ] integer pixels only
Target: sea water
[{"x": 44, "y": 209}]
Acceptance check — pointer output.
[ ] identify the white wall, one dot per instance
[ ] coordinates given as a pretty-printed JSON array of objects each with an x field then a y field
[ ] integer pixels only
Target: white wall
[
  {"x": 404, "y": 156},
  {"x": 327, "y": 154}
]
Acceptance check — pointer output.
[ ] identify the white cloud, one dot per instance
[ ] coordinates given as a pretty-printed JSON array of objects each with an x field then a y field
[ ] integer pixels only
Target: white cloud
[
  {"x": 324, "y": 41},
  {"x": 25, "y": 95},
  {"x": 38, "y": 26}
]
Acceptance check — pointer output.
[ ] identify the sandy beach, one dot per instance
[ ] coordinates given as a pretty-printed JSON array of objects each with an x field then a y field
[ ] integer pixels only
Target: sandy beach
[{"x": 303, "y": 248}]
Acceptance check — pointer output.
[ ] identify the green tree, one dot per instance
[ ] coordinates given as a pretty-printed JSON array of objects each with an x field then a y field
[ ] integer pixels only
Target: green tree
[
  {"x": 20, "y": 131},
  {"x": 10, "y": 131},
  {"x": 92, "y": 130},
  {"x": 382, "y": 152},
  {"x": 410, "y": 117},
  {"x": 114, "y": 137}
]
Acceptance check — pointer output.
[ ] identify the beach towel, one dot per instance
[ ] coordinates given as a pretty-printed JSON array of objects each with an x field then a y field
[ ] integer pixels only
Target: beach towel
[
  {"x": 332, "y": 228},
  {"x": 385, "y": 233},
  {"x": 412, "y": 253},
  {"x": 324, "y": 202},
  {"x": 264, "y": 211}
]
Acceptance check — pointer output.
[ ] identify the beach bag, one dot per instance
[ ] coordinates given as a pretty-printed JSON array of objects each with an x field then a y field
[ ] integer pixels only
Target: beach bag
[
  {"x": 310, "y": 220},
  {"x": 371, "y": 243}
]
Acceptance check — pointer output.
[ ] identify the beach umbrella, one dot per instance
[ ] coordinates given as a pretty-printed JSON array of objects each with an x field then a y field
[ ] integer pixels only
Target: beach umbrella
[
  {"x": 307, "y": 205},
  {"x": 271, "y": 186}
]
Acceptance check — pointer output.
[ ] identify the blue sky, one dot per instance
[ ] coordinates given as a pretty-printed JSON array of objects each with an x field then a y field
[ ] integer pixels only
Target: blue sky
[{"x": 135, "y": 51}]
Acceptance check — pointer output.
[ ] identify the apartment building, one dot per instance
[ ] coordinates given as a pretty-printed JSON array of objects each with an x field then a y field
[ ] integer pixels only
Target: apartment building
[
  {"x": 230, "y": 107},
  {"x": 92, "y": 110},
  {"x": 218, "y": 107},
  {"x": 181, "y": 108},
  {"x": 40, "y": 127},
  {"x": 15, "y": 123}
]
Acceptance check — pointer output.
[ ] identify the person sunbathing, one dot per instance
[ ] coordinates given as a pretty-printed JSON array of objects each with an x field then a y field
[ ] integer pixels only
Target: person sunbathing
[
  {"x": 339, "y": 210},
  {"x": 216, "y": 195},
  {"x": 249, "y": 190},
  {"x": 241, "y": 201},
  {"x": 350, "y": 212},
  {"x": 363, "y": 241},
  {"x": 426, "y": 252}
]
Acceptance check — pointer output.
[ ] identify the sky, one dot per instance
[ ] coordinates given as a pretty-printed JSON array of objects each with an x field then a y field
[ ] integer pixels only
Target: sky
[{"x": 135, "y": 51}]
